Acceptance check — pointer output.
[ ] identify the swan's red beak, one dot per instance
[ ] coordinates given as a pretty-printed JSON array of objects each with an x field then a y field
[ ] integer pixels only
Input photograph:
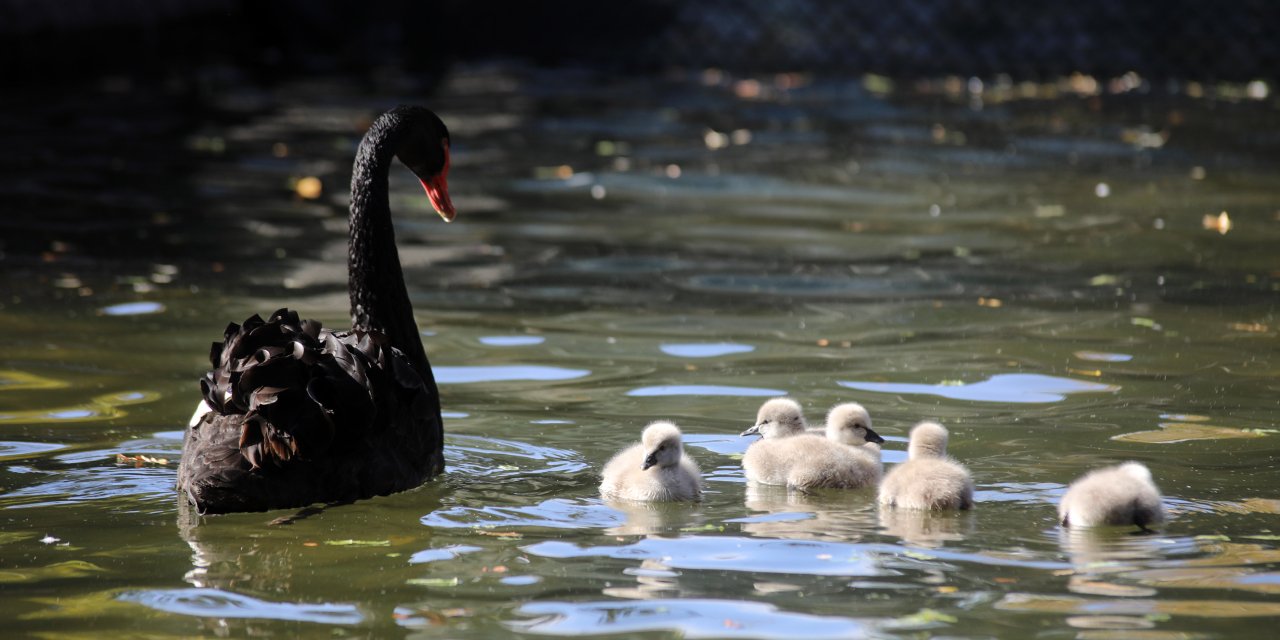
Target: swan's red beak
[
  {"x": 437, "y": 187},
  {"x": 438, "y": 192}
]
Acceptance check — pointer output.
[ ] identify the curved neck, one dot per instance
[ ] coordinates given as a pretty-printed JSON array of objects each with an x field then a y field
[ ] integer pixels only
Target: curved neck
[{"x": 379, "y": 300}]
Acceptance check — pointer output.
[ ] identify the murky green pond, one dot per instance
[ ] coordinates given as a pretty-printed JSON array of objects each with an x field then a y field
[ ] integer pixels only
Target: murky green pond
[{"x": 1050, "y": 274}]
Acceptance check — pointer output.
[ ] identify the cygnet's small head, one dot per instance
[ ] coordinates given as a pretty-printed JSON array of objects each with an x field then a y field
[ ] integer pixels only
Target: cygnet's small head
[
  {"x": 928, "y": 440},
  {"x": 850, "y": 424},
  {"x": 1137, "y": 471},
  {"x": 662, "y": 446},
  {"x": 778, "y": 418}
]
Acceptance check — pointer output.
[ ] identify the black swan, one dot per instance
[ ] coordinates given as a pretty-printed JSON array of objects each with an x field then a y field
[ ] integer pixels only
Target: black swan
[{"x": 294, "y": 415}]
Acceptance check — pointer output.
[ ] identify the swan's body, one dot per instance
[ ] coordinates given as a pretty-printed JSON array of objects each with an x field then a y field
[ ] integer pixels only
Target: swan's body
[
  {"x": 654, "y": 470},
  {"x": 847, "y": 456},
  {"x": 1121, "y": 495},
  {"x": 295, "y": 414},
  {"x": 929, "y": 479}
]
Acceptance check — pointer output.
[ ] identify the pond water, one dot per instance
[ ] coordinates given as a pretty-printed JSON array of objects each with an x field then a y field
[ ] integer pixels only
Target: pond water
[{"x": 1064, "y": 280}]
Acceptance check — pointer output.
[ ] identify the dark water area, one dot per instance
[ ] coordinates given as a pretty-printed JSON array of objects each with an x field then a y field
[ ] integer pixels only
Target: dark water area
[{"x": 1066, "y": 274}]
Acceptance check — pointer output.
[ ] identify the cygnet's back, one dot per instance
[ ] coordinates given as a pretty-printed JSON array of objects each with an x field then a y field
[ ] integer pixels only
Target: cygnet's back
[
  {"x": 928, "y": 479},
  {"x": 809, "y": 462},
  {"x": 654, "y": 470},
  {"x": 1121, "y": 495}
]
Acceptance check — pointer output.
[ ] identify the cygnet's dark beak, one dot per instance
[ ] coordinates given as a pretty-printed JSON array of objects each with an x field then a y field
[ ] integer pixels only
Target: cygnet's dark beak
[
  {"x": 874, "y": 437},
  {"x": 753, "y": 430},
  {"x": 649, "y": 461}
]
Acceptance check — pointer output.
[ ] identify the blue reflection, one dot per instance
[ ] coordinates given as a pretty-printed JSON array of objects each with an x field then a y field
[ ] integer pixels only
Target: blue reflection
[
  {"x": 505, "y": 373},
  {"x": 725, "y": 553},
  {"x": 1005, "y": 387},
  {"x": 216, "y": 603},
  {"x": 705, "y": 350},
  {"x": 512, "y": 341},
  {"x": 133, "y": 309},
  {"x": 704, "y": 390}
]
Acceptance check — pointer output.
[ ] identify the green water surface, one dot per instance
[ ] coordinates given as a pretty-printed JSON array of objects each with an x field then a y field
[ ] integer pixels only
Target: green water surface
[{"x": 1047, "y": 273}]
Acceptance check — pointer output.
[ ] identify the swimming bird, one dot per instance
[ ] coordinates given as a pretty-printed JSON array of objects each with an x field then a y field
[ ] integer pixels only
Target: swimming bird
[
  {"x": 809, "y": 461},
  {"x": 294, "y": 414},
  {"x": 1124, "y": 494},
  {"x": 928, "y": 479},
  {"x": 655, "y": 470}
]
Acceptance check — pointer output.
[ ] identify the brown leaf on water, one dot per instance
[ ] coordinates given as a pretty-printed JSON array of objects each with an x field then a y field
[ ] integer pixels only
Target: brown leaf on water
[{"x": 1173, "y": 432}]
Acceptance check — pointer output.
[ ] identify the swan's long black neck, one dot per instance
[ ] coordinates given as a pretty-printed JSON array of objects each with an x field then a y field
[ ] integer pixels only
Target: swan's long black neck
[{"x": 379, "y": 300}]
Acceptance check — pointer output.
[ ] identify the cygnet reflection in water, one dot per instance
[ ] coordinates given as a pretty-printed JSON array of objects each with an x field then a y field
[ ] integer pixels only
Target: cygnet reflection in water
[
  {"x": 925, "y": 528},
  {"x": 656, "y": 469},
  {"x": 1121, "y": 495},
  {"x": 928, "y": 480},
  {"x": 848, "y": 457},
  {"x": 651, "y": 518},
  {"x": 803, "y": 515}
]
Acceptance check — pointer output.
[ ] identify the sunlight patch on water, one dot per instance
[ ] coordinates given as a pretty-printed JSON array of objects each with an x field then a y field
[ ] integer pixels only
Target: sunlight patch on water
[
  {"x": 1004, "y": 387},
  {"x": 511, "y": 341},
  {"x": 505, "y": 373},
  {"x": 1175, "y": 432},
  {"x": 216, "y": 603},
  {"x": 705, "y": 350},
  {"x": 14, "y": 380},
  {"x": 687, "y": 618},
  {"x": 722, "y": 553},
  {"x": 133, "y": 309},
  {"x": 103, "y": 407},
  {"x": 704, "y": 390}
]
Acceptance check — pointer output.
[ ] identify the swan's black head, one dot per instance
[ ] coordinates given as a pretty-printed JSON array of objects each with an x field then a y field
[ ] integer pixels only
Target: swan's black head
[{"x": 425, "y": 150}]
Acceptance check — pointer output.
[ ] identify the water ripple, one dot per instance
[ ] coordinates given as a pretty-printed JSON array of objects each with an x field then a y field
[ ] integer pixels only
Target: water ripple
[
  {"x": 688, "y": 618},
  {"x": 216, "y": 603},
  {"x": 1005, "y": 387},
  {"x": 723, "y": 553},
  {"x": 557, "y": 513}
]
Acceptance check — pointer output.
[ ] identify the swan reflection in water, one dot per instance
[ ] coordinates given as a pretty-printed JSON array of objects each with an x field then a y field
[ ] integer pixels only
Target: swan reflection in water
[{"x": 248, "y": 571}]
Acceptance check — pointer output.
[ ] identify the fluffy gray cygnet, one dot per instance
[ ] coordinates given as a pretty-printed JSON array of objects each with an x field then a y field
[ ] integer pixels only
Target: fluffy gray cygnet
[
  {"x": 654, "y": 470},
  {"x": 929, "y": 479},
  {"x": 1121, "y": 495},
  {"x": 847, "y": 457}
]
